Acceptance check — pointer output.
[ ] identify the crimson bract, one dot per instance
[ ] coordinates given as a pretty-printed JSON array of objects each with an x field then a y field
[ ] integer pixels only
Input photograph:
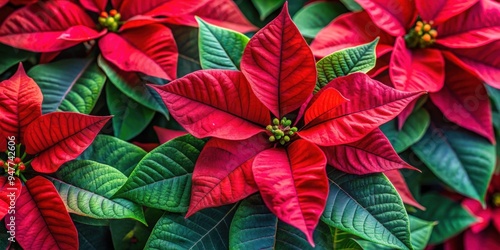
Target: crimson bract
[{"x": 270, "y": 134}]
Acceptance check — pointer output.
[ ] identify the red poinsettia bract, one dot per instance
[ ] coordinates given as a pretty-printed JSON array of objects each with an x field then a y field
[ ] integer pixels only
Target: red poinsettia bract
[
  {"x": 131, "y": 34},
  {"x": 34, "y": 144},
  {"x": 445, "y": 47},
  {"x": 269, "y": 134},
  {"x": 485, "y": 233}
]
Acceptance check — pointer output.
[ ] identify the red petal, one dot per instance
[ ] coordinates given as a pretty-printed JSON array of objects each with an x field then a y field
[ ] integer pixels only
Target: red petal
[
  {"x": 372, "y": 104},
  {"x": 416, "y": 70},
  {"x": 475, "y": 27},
  {"x": 20, "y": 104},
  {"x": 3, "y": 2},
  {"x": 279, "y": 66},
  {"x": 372, "y": 154},
  {"x": 215, "y": 103},
  {"x": 393, "y": 16},
  {"x": 42, "y": 221},
  {"x": 293, "y": 184},
  {"x": 165, "y": 134},
  {"x": 223, "y": 172},
  {"x": 483, "y": 215},
  {"x": 60, "y": 137},
  {"x": 486, "y": 239},
  {"x": 94, "y": 5},
  {"x": 47, "y": 57},
  {"x": 399, "y": 183},
  {"x": 328, "y": 100},
  {"x": 442, "y": 10},
  {"x": 138, "y": 21},
  {"x": 349, "y": 30},
  {"x": 36, "y": 27},
  {"x": 403, "y": 116},
  {"x": 150, "y": 49},
  {"x": 224, "y": 13},
  {"x": 81, "y": 33},
  {"x": 484, "y": 61},
  {"x": 9, "y": 192},
  {"x": 131, "y": 8},
  {"x": 464, "y": 101}
]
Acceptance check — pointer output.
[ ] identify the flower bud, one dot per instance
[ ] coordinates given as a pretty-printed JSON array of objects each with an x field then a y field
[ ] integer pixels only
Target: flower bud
[
  {"x": 278, "y": 137},
  {"x": 276, "y": 121},
  {"x": 294, "y": 129},
  {"x": 286, "y": 138},
  {"x": 272, "y": 138},
  {"x": 269, "y": 128},
  {"x": 17, "y": 160},
  {"x": 113, "y": 12},
  {"x": 117, "y": 17},
  {"x": 104, "y": 14},
  {"x": 433, "y": 33},
  {"x": 110, "y": 21},
  {"x": 427, "y": 27},
  {"x": 102, "y": 20},
  {"x": 426, "y": 38},
  {"x": 22, "y": 167}
]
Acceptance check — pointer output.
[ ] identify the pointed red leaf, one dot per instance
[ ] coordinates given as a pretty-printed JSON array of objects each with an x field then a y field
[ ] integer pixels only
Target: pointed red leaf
[
  {"x": 279, "y": 66},
  {"x": 293, "y": 184},
  {"x": 393, "y": 16},
  {"x": 131, "y": 8},
  {"x": 20, "y": 104},
  {"x": 149, "y": 49},
  {"x": 165, "y": 134},
  {"x": 349, "y": 30},
  {"x": 464, "y": 101},
  {"x": 328, "y": 100},
  {"x": 475, "y": 27},
  {"x": 486, "y": 239},
  {"x": 216, "y": 103},
  {"x": 483, "y": 61},
  {"x": 416, "y": 70},
  {"x": 372, "y": 154},
  {"x": 47, "y": 57},
  {"x": 9, "y": 192},
  {"x": 42, "y": 221},
  {"x": 94, "y": 5},
  {"x": 36, "y": 27},
  {"x": 60, "y": 137},
  {"x": 81, "y": 33},
  {"x": 224, "y": 13},
  {"x": 400, "y": 184},
  {"x": 371, "y": 104},
  {"x": 442, "y": 10},
  {"x": 223, "y": 172}
]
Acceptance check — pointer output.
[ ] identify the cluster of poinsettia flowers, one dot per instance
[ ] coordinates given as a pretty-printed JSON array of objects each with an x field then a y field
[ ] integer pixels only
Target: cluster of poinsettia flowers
[
  {"x": 270, "y": 134},
  {"x": 38, "y": 144},
  {"x": 132, "y": 35},
  {"x": 448, "y": 48}
]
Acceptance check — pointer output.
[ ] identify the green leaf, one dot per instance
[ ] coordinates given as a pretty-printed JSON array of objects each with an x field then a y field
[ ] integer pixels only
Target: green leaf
[
  {"x": 413, "y": 130},
  {"x": 86, "y": 188},
  {"x": 89, "y": 221},
  {"x": 220, "y": 48},
  {"x": 162, "y": 179},
  {"x": 133, "y": 86},
  {"x": 352, "y": 5},
  {"x": 114, "y": 152},
  {"x": 266, "y": 7},
  {"x": 367, "y": 206},
  {"x": 130, "y": 118},
  {"x": 255, "y": 227},
  {"x": 69, "y": 85},
  {"x": 344, "y": 240},
  {"x": 315, "y": 16},
  {"x": 206, "y": 229},
  {"x": 186, "y": 39},
  {"x": 450, "y": 216},
  {"x": 461, "y": 159},
  {"x": 92, "y": 237},
  {"x": 420, "y": 232},
  {"x": 343, "y": 62},
  {"x": 12, "y": 56},
  {"x": 494, "y": 95}
]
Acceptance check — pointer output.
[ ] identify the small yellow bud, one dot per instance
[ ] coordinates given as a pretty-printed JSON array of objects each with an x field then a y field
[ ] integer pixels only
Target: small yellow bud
[
  {"x": 276, "y": 121},
  {"x": 419, "y": 23},
  {"x": 433, "y": 33},
  {"x": 117, "y": 17},
  {"x": 294, "y": 129},
  {"x": 427, "y": 27},
  {"x": 286, "y": 138},
  {"x": 110, "y": 21},
  {"x": 426, "y": 38},
  {"x": 290, "y": 133},
  {"x": 418, "y": 28},
  {"x": 269, "y": 128},
  {"x": 272, "y": 138},
  {"x": 102, "y": 20},
  {"x": 282, "y": 142},
  {"x": 114, "y": 26}
]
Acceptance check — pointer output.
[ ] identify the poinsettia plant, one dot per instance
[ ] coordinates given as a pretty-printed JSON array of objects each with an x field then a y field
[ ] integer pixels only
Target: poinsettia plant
[
  {"x": 270, "y": 134},
  {"x": 37, "y": 144}
]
